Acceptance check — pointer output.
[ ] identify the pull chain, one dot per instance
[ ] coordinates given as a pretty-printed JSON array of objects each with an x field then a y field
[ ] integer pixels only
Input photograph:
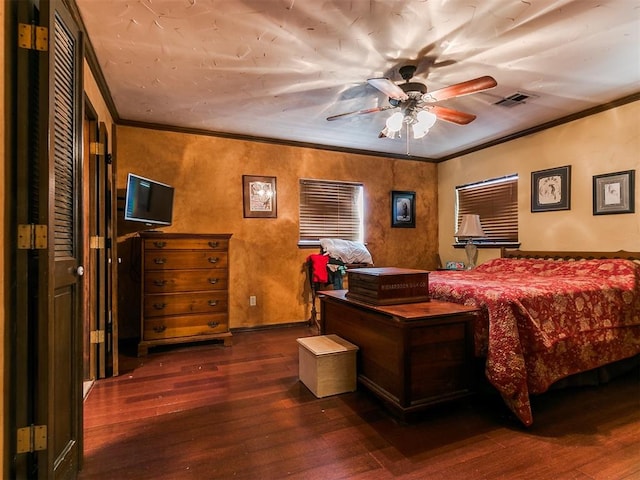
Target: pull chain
[{"x": 407, "y": 135}]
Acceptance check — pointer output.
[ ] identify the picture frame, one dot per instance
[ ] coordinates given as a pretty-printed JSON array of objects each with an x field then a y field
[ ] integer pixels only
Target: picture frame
[
  {"x": 403, "y": 209},
  {"x": 614, "y": 193},
  {"x": 551, "y": 189},
  {"x": 259, "y": 194}
]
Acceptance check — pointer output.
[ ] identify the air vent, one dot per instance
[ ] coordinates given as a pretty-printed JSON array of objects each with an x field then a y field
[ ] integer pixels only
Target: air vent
[{"x": 517, "y": 98}]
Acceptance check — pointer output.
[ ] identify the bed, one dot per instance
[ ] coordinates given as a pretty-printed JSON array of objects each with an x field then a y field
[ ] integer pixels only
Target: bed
[{"x": 546, "y": 316}]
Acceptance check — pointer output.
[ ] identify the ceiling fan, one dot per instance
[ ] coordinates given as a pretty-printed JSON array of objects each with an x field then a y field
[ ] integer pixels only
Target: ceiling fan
[{"x": 417, "y": 105}]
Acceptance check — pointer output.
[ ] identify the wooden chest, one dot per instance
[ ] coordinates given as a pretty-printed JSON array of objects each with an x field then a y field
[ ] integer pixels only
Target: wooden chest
[
  {"x": 184, "y": 289},
  {"x": 388, "y": 285},
  {"x": 411, "y": 356}
]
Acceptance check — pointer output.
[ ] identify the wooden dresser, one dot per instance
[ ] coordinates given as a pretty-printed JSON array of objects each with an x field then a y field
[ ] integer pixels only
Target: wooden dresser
[{"x": 185, "y": 294}]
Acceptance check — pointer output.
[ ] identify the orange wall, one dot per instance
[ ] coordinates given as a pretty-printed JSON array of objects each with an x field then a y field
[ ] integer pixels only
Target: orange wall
[{"x": 207, "y": 171}]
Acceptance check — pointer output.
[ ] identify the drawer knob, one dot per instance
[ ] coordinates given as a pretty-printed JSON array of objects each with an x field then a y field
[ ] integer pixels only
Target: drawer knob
[
  {"x": 159, "y": 306},
  {"x": 214, "y": 260},
  {"x": 213, "y": 303},
  {"x": 213, "y": 324},
  {"x": 213, "y": 281},
  {"x": 159, "y": 244},
  {"x": 214, "y": 244},
  {"x": 159, "y": 328},
  {"x": 159, "y": 283},
  {"x": 159, "y": 261}
]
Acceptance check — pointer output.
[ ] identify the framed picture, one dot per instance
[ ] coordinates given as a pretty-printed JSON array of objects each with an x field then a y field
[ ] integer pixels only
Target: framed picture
[
  {"x": 614, "y": 193},
  {"x": 403, "y": 209},
  {"x": 551, "y": 189},
  {"x": 259, "y": 196}
]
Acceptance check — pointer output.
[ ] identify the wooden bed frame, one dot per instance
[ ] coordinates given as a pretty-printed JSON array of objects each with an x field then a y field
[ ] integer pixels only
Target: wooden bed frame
[{"x": 517, "y": 253}]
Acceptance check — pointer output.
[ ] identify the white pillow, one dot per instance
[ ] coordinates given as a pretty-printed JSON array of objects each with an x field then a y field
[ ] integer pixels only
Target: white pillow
[{"x": 346, "y": 250}]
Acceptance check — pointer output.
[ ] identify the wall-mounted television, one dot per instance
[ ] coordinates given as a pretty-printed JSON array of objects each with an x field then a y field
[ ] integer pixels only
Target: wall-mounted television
[{"x": 148, "y": 201}]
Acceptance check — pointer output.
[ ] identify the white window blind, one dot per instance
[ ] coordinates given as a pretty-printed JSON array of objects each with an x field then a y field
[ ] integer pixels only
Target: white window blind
[
  {"x": 330, "y": 209},
  {"x": 496, "y": 201}
]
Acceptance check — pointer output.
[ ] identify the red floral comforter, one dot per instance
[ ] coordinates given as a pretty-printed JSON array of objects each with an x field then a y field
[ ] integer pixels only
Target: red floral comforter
[{"x": 543, "y": 320}]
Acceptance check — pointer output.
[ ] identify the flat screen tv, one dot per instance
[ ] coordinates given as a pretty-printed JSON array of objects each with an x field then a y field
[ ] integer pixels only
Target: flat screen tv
[{"x": 148, "y": 201}]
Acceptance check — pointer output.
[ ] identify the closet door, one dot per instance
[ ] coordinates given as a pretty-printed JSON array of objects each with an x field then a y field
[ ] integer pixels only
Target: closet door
[
  {"x": 63, "y": 287},
  {"x": 48, "y": 397}
]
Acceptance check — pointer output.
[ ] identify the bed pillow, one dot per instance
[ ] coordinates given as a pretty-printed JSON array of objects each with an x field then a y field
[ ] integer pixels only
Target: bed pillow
[{"x": 346, "y": 250}]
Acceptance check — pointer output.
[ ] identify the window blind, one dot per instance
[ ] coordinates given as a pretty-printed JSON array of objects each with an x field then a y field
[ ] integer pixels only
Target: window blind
[
  {"x": 496, "y": 201},
  {"x": 330, "y": 209}
]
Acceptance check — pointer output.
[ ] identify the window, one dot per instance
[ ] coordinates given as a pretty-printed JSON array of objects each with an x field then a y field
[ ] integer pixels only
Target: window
[
  {"x": 496, "y": 201},
  {"x": 330, "y": 210}
]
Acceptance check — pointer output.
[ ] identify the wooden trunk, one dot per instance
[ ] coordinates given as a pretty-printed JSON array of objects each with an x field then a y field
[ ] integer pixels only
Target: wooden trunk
[
  {"x": 388, "y": 285},
  {"x": 413, "y": 355}
]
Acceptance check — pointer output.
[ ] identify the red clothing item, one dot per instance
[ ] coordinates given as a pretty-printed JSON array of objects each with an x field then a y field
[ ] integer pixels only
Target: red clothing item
[{"x": 319, "y": 266}]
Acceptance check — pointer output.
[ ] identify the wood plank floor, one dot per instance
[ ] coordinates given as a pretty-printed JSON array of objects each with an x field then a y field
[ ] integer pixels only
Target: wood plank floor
[{"x": 209, "y": 412}]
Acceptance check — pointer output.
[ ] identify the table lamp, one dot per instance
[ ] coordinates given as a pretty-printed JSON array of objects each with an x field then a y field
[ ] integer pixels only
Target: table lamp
[{"x": 470, "y": 228}]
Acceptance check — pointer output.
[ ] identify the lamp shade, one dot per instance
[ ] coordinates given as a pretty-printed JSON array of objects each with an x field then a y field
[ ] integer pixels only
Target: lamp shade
[
  {"x": 470, "y": 227},
  {"x": 426, "y": 119},
  {"x": 394, "y": 122}
]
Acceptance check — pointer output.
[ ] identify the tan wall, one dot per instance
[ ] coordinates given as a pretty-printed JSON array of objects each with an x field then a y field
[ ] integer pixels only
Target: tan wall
[
  {"x": 603, "y": 143},
  {"x": 265, "y": 259}
]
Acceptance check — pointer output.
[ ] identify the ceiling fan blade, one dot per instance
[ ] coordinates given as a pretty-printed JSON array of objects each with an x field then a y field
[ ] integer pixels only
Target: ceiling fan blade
[
  {"x": 389, "y": 88},
  {"x": 460, "y": 89},
  {"x": 359, "y": 112},
  {"x": 451, "y": 115}
]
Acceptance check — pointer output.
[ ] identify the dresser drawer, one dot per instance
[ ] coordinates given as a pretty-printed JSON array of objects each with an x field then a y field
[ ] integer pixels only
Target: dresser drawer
[
  {"x": 184, "y": 325},
  {"x": 184, "y": 259},
  {"x": 157, "y": 305},
  {"x": 168, "y": 281},
  {"x": 200, "y": 243}
]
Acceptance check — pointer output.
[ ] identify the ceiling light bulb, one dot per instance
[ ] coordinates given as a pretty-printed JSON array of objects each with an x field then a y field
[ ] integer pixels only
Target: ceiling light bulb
[
  {"x": 426, "y": 119},
  {"x": 394, "y": 122},
  {"x": 388, "y": 133},
  {"x": 419, "y": 131}
]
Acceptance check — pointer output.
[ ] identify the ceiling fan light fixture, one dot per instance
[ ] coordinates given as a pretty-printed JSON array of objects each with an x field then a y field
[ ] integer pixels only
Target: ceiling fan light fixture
[
  {"x": 426, "y": 119},
  {"x": 419, "y": 131},
  {"x": 387, "y": 133},
  {"x": 394, "y": 122}
]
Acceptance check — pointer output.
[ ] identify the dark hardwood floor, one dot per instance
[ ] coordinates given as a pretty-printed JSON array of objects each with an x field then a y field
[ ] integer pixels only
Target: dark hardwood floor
[{"x": 205, "y": 411}]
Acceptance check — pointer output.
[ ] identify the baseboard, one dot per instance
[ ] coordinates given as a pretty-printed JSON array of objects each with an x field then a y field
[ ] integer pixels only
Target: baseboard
[{"x": 304, "y": 323}]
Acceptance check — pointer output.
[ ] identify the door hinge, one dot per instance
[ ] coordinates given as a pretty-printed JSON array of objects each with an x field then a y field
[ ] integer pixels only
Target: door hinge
[
  {"x": 96, "y": 148},
  {"x": 97, "y": 336},
  {"x": 32, "y": 439},
  {"x": 32, "y": 237},
  {"x": 33, "y": 37},
  {"x": 96, "y": 242}
]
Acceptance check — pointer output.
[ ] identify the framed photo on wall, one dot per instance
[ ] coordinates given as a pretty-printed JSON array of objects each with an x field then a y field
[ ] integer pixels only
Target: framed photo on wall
[
  {"x": 551, "y": 189},
  {"x": 403, "y": 209},
  {"x": 614, "y": 193},
  {"x": 259, "y": 196}
]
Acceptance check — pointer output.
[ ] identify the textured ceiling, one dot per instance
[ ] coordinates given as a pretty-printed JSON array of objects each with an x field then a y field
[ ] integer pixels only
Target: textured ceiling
[{"x": 276, "y": 69}]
